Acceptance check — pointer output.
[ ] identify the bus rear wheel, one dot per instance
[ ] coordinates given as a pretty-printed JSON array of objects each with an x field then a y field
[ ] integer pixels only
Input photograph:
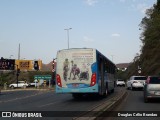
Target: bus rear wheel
[{"x": 105, "y": 93}]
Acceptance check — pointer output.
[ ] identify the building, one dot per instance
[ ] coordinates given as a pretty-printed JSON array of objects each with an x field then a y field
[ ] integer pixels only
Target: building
[{"x": 122, "y": 66}]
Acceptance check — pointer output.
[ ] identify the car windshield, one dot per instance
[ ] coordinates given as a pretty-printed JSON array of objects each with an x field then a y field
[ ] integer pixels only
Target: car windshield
[
  {"x": 140, "y": 78},
  {"x": 155, "y": 80}
]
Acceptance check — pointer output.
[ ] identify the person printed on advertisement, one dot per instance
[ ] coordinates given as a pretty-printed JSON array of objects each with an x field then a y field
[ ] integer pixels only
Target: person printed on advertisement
[
  {"x": 84, "y": 75},
  {"x": 75, "y": 71},
  {"x": 65, "y": 69}
]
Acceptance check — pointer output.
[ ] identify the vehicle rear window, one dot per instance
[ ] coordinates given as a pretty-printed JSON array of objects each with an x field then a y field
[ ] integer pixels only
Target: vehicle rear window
[
  {"x": 140, "y": 78},
  {"x": 120, "y": 80},
  {"x": 155, "y": 80}
]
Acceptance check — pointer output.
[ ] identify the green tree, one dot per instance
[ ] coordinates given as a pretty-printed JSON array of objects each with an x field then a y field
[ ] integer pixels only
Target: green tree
[
  {"x": 150, "y": 37},
  {"x": 149, "y": 58}
]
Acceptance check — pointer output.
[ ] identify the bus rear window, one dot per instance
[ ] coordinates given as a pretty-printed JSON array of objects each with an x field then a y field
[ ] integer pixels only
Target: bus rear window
[{"x": 120, "y": 80}]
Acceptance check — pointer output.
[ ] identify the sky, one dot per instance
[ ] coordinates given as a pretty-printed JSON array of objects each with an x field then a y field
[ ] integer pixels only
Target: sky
[{"x": 110, "y": 26}]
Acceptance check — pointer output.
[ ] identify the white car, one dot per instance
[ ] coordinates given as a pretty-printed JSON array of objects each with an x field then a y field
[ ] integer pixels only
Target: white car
[
  {"x": 136, "y": 82},
  {"x": 33, "y": 84},
  {"x": 120, "y": 82},
  {"x": 20, "y": 84}
]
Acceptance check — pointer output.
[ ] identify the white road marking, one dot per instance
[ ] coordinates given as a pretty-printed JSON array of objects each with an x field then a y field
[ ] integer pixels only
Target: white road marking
[{"x": 47, "y": 104}]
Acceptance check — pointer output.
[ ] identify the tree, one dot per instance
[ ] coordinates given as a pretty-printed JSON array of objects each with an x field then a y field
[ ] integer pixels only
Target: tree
[{"x": 150, "y": 37}]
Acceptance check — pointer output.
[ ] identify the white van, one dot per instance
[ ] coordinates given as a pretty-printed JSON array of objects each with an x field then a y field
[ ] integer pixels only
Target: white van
[{"x": 136, "y": 82}]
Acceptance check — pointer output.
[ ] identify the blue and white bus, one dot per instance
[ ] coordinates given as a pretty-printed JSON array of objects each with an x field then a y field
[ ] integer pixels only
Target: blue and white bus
[{"x": 82, "y": 71}]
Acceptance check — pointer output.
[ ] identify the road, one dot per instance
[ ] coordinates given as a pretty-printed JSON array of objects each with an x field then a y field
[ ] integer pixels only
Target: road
[
  {"x": 48, "y": 101},
  {"x": 135, "y": 106}
]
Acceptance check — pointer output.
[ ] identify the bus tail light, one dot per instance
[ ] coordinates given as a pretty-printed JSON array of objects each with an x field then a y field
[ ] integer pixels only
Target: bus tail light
[
  {"x": 93, "y": 79},
  {"x": 58, "y": 80}
]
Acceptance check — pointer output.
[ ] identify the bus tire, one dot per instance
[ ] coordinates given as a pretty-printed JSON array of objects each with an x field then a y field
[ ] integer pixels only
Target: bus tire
[{"x": 106, "y": 92}]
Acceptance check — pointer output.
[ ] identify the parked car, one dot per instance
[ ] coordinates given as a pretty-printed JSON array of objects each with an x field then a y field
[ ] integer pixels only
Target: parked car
[
  {"x": 152, "y": 88},
  {"x": 136, "y": 82},
  {"x": 20, "y": 84},
  {"x": 33, "y": 84},
  {"x": 120, "y": 82}
]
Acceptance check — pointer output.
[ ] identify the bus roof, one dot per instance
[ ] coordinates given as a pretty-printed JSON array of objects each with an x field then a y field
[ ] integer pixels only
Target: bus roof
[{"x": 88, "y": 49}]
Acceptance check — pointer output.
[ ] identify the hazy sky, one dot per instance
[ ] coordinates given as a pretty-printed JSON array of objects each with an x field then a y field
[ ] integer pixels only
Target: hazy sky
[{"x": 111, "y": 26}]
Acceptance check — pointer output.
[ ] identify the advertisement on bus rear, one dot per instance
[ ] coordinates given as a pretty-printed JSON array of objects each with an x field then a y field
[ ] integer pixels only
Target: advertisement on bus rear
[{"x": 74, "y": 66}]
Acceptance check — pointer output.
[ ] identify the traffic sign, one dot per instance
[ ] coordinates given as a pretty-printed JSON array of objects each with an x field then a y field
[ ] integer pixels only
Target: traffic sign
[{"x": 45, "y": 77}]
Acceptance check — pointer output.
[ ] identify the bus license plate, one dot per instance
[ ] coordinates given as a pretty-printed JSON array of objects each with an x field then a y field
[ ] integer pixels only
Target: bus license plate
[
  {"x": 75, "y": 90},
  {"x": 75, "y": 85}
]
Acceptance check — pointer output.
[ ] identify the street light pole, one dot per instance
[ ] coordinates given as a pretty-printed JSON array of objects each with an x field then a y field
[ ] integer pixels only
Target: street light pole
[{"x": 68, "y": 35}]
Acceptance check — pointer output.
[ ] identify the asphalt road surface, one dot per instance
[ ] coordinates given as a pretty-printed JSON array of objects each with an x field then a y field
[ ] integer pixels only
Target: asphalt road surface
[
  {"x": 48, "y": 101},
  {"x": 133, "y": 106}
]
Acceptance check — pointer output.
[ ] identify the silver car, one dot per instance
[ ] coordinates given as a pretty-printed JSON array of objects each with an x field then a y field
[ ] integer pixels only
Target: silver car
[{"x": 152, "y": 88}]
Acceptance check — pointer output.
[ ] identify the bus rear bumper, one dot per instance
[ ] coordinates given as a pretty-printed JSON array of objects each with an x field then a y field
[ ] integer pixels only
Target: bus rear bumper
[{"x": 93, "y": 89}]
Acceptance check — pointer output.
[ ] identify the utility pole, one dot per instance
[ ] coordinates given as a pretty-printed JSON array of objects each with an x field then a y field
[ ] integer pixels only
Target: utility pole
[
  {"x": 17, "y": 74},
  {"x": 19, "y": 52}
]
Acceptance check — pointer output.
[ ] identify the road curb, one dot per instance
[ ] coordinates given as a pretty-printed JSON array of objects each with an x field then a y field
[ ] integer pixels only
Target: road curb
[
  {"x": 99, "y": 110},
  {"x": 12, "y": 90}
]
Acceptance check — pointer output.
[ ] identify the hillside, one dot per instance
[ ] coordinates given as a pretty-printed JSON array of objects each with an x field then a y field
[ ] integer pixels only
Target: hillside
[
  {"x": 149, "y": 58},
  {"x": 47, "y": 67},
  {"x": 150, "y": 52}
]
